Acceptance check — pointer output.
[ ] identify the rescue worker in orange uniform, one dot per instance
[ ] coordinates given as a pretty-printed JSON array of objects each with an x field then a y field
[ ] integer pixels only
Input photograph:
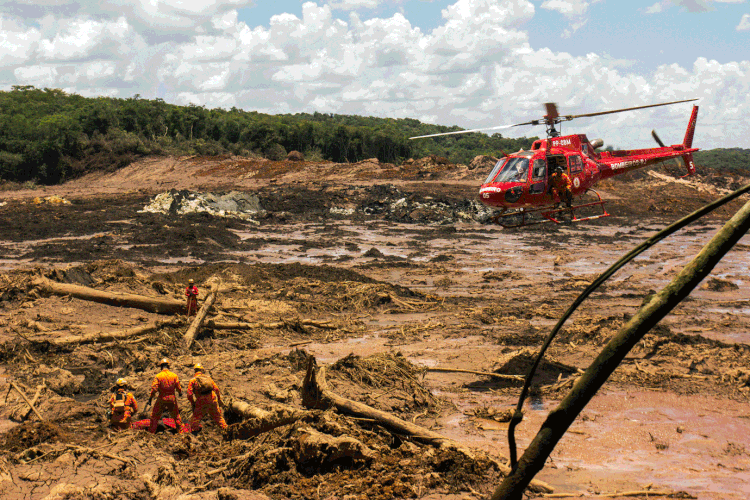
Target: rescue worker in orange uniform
[
  {"x": 191, "y": 292},
  {"x": 122, "y": 406},
  {"x": 164, "y": 386},
  {"x": 560, "y": 185},
  {"x": 205, "y": 397}
]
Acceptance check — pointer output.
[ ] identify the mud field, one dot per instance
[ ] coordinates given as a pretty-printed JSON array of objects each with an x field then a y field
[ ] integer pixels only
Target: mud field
[{"x": 372, "y": 277}]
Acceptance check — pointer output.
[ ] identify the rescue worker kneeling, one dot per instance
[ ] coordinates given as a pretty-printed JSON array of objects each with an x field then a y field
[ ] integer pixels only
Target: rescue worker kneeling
[
  {"x": 122, "y": 406},
  {"x": 205, "y": 397},
  {"x": 164, "y": 386}
]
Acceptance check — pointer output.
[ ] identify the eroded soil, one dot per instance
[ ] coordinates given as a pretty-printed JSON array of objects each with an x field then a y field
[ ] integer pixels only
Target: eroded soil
[{"x": 380, "y": 272}]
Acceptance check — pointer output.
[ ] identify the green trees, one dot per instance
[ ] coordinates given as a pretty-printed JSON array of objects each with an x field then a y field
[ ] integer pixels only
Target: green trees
[{"x": 47, "y": 135}]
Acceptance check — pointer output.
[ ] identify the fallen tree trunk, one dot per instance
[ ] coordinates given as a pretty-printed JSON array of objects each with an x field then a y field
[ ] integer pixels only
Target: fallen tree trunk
[
  {"x": 316, "y": 394},
  {"x": 151, "y": 304},
  {"x": 105, "y": 336},
  {"x": 200, "y": 317},
  {"x": 259, "y": 420}
]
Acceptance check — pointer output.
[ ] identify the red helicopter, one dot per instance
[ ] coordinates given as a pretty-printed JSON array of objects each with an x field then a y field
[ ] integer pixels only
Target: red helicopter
[{"x": 521, "y": 180}]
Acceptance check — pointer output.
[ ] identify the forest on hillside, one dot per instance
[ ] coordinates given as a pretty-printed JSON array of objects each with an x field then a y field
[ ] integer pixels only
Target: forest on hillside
[{"x": 48, "y": 136}]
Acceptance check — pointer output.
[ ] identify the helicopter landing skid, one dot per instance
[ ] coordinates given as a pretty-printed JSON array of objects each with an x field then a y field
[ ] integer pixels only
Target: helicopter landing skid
[{"x": 549, "y": 214}]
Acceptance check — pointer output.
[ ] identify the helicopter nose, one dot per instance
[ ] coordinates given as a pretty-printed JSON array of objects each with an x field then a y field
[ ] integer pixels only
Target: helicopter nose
[{"x": 491, "y": 195}]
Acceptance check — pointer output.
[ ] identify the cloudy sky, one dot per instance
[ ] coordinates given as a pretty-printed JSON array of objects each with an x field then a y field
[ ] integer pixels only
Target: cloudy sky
[{"x": 472, "y": 63}]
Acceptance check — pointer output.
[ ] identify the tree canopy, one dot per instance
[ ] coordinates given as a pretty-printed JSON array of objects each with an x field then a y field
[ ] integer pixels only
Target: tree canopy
[{"x": 48, "y": 135}]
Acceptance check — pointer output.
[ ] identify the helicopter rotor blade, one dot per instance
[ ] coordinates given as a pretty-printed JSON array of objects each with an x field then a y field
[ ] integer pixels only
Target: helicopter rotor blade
[
  {"x": 570, "y": 117},
  {"x": 552, "y": 113},
  {"x": 656, "y": 138},
  {"x": 472, "y": 130}
]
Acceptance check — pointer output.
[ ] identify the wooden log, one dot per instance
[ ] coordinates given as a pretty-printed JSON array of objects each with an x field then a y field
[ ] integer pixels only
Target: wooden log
[
  {"x": 316, "y": 394},
  {"x": 151, "y": 304},
  {"x": 472, "y": 372},
  {"x": 105, "y": 336},
  {"x": 19, "y": 391},
  {"x": 200, "y": 317}
]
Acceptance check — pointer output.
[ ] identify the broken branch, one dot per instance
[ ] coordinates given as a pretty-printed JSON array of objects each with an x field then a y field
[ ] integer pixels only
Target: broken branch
[{"x": 19, "y": 391}]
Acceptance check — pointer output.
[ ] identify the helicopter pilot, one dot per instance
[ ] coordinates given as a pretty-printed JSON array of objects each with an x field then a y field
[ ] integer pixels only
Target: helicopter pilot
[{"x": 521, "y": 171}]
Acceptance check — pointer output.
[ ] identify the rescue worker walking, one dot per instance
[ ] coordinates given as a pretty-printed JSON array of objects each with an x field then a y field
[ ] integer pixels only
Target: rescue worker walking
[
  {"x": 122, "y": 406},
  {"x": 205, "y": 397},
  {"x": 191, "y": 292},
  {"x": 560, "y": 185},
  {"x": 164, "y": 386}
]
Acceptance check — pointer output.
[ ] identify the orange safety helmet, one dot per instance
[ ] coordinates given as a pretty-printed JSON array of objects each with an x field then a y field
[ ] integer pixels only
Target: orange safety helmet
[
  {"x": 163, "y": 362},
  {"x": 121, "y": 382},
  {"x": 198, "y": 367}
]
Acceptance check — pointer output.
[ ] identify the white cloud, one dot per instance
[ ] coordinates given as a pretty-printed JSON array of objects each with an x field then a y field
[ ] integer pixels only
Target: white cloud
[
  {"x": 575, "y": 10},
  {"x": 475, "y": 69},
  {"x": 354, "y": 4},
  {"x": 744, "y": 23},
  {"x": 688, "y": 5}
]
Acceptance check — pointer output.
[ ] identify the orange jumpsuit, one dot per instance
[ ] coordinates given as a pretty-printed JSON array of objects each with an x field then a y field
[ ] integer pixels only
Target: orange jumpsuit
[
  {"x": 120, "y": 418},
  {"x": 204, "y": 403},
  {"x": 191, "y": 292},
  {"x": 164, "y": 386},
  {"x": 561, "y": 187}
]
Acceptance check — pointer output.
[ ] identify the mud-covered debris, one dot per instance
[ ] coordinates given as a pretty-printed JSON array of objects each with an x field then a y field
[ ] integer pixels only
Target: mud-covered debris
[
  {"x": 397, "y": 380},
  {"x": 315, "y": 451},
  {"x": 719, "y": 285},
  {"x": 59, "y": 380},
  {"x": 232, "y": 204},
  {"x": 549, "y": 371},
  {"x": 51, "y": 200},
  {"x": 32, "y": 434},
  {"x": 295, "y": 156}
]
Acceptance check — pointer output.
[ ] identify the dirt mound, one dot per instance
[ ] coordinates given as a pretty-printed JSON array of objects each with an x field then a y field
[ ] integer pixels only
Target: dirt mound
[
  {"x": 295, "y": 156},
  {"x": 719, "y": 285},
  {"x": 32, "y": 434},
  {"x": 483, "y": 162}
]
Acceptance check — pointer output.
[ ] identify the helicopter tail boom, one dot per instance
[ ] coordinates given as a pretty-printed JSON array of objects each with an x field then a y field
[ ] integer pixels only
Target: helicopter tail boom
[{"x": 688, "y": 142}]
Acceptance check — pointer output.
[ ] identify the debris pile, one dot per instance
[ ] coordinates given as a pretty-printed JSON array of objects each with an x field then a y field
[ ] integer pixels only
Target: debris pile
[{"x": 232, "y": 204}]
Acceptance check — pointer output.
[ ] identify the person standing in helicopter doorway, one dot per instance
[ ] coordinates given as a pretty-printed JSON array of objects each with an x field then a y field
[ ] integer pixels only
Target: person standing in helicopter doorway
[{"x": 191, "y": 292}]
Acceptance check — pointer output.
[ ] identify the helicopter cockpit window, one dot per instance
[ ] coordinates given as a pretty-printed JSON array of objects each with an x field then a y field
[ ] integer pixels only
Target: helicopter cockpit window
[
  {"x": 495, "y": 170},
  {"x": 539, "y": 172},
  {"x": 515, "y": 170}
]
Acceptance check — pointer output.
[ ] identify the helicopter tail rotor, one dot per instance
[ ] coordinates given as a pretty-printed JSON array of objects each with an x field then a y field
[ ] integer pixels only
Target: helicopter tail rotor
[{"x": 657, "y": 139}]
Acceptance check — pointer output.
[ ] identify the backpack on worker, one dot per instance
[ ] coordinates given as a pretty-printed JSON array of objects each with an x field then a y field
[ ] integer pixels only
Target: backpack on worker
[
  {"x": 204, "y": 384},
  {"x": 119, "y": 404}
]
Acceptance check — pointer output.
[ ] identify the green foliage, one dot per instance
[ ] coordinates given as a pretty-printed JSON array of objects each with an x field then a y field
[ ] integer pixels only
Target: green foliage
[
  {"x": 48, "y": 136},
  {"x": 731, "y": 160}
]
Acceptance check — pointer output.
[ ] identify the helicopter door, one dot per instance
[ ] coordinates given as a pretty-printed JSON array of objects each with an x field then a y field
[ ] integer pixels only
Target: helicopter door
[
  {"x": 538, "y": 176},
  {"x": 575, "y": 164}
]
